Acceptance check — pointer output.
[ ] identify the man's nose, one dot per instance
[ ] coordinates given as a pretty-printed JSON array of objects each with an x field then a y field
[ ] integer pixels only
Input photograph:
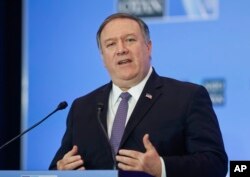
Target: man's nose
[{"x": 121, "y": 48}]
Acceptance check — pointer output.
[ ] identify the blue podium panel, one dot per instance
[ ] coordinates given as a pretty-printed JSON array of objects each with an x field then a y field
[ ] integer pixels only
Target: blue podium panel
[{"x": 86, "y": 173}]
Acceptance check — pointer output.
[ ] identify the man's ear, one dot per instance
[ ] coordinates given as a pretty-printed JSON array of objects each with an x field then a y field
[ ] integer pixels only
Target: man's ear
[{"x": 149, "y": 46}]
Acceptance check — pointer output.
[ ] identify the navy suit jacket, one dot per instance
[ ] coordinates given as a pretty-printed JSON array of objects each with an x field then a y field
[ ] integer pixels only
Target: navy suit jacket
[{"x": 179, "y": 119}]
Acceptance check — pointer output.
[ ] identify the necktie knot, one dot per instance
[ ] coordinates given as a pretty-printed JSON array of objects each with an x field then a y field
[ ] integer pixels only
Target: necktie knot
[{"x": 125, "y": 96}]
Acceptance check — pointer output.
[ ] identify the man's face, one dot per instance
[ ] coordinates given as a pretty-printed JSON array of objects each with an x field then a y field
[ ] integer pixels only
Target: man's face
[{"x": 125, "y": 52}]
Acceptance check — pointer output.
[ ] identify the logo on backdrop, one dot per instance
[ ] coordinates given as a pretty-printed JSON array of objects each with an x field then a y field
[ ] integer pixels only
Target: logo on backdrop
[
  {"x": 142, "y": 8},
  {"x": 216, "y": 90},
  {"x": 171, "y": 10}
]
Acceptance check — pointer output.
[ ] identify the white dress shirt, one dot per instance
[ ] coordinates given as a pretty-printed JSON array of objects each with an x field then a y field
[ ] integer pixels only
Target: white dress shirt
[{"x": 114, "y": 100}]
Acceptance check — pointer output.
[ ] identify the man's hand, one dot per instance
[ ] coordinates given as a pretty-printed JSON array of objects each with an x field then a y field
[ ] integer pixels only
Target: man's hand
[
  {"x": 71, "y": 161},
  {"x": 148, "y": 162}
]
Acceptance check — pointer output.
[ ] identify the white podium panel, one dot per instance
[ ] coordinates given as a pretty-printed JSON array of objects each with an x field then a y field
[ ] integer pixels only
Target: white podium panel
[{"x": 87, "y": 173}]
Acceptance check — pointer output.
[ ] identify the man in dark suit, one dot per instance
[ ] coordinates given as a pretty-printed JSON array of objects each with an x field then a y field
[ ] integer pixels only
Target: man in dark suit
[{"x": 170, "y": 128}]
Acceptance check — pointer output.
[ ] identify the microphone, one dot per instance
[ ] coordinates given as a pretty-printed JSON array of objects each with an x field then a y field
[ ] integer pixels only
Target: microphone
[
  {"x": 99, "y": 110},
  {"x": 61, "y": 106}
]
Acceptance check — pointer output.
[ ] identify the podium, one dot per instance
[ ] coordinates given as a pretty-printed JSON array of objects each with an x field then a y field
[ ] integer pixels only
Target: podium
[{"x": 73, "y": 173}]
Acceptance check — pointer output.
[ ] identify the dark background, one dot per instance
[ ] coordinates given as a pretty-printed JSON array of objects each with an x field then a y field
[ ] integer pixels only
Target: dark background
[{"x": 10, "y": 81}]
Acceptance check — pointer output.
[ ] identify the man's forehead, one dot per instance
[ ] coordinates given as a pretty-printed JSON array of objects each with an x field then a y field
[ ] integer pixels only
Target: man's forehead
[{"x": 123, "y": 26}]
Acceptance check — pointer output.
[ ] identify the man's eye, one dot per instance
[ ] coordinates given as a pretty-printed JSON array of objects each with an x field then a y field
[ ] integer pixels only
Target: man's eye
[
  {"x": 110, "y": 44},
  {"x": 130, "y": 40}
]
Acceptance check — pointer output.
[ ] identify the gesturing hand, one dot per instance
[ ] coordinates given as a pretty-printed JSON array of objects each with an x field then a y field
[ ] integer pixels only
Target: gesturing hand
[
  {"x": 148, "y": 162},
  {"x": 71, "y": 161}
]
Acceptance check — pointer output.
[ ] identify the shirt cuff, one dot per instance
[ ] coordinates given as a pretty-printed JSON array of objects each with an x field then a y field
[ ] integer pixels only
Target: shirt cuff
[{"x": 163, "y": 169}]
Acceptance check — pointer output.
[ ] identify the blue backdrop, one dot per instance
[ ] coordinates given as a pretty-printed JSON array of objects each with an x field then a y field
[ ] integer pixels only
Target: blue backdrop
[{"x": 62, "y": 62}]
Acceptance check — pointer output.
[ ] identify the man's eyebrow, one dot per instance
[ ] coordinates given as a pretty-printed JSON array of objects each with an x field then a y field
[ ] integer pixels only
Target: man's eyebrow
[
  {"x": 130, "y": 34},
  {"x": 123, "y": 36},
  {"x": 109, "y": 39}
]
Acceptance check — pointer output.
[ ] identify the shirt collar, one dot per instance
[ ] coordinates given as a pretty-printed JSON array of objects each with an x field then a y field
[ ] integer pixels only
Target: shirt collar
[{"x": 135, "y": 91}]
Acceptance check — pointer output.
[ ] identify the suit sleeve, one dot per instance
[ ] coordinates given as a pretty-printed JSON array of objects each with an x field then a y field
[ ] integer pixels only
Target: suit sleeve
[{"x": 205, "y": 156}]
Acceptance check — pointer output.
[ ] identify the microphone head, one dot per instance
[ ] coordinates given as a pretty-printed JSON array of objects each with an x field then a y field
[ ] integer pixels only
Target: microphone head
[
  {"x": 62, "y": 105},
  {"x": 100, "y": 105}
]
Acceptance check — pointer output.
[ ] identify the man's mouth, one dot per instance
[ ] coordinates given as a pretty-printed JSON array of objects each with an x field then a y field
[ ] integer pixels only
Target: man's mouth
[{"x": 124, "y": 61}]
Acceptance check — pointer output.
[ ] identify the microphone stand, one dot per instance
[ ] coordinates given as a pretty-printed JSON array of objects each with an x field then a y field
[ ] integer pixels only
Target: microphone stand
[{"x": 61, "y": 106}]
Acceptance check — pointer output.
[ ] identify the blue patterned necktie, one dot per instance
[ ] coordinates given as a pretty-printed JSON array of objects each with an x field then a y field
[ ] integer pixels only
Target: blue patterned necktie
[{"x": 119, "y": 122}]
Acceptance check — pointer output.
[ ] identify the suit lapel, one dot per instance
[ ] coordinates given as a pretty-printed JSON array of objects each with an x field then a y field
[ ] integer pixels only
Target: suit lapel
[{"x": 149, "y": 95}]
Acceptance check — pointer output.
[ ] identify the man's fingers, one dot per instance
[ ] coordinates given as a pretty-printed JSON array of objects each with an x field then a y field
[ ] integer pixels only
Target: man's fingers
[
  {"x": 130, "y": 153},
  {"x": 72, "y": 152},
  {"x": 74, "y": 165},
  {"x": 126, "y": 167},
  {"x": 81, "y": 168},
  {"x": 147, "y": 144},
  {"x": 70, "y": 160},
  {"x": 148, "y": 162},
  {"x": 70, "y": 163},
  {"x": 126, "y": 160}
]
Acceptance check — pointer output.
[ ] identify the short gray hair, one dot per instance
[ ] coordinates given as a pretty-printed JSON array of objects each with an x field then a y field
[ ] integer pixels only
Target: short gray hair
[{"x": 143, "y": 26}]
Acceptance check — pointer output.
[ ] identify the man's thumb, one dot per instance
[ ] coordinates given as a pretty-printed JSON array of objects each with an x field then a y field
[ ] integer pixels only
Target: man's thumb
[{"x": 147, "y": 144}]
